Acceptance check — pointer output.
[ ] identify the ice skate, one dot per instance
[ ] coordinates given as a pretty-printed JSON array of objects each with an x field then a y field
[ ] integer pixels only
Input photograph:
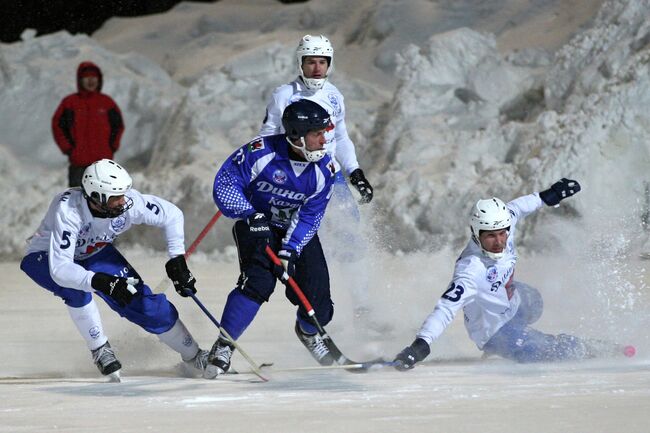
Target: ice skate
[
  {"x": 218, "y": 359},
  {"x": 316, "y": 346},
  {"x": 105, "y": 360},
  {"x": 196, "y": 366}
]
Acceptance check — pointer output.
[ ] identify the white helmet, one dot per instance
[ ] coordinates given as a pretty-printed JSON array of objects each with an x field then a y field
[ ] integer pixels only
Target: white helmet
[
  {"x": 489, "y": 214},
  {"x": 318, "y": 46},
  {"x": 104, "y": 179}
]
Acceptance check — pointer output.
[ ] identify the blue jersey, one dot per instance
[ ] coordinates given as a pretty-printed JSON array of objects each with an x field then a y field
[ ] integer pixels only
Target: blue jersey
[{"x": 260, "y": 177}]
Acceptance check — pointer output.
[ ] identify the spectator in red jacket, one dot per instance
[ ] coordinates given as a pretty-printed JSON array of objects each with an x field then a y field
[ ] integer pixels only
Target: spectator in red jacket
[{"x": 87, "y": 125}]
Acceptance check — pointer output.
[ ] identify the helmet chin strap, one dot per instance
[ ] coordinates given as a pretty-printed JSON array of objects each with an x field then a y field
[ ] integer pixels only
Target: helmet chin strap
[
  {"x": 101, "y": 210},
  {"x": 493, "y": 256},
  {"x": 310, "y": 155},
  {"x": 313, "y": 84},
  {"x": 486, "y": 253}
]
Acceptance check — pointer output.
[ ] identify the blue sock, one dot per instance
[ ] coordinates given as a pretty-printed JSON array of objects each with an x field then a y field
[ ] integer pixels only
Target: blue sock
[
  {"x": 306, "y": 326},
  {"x": 239, "y": 312}
]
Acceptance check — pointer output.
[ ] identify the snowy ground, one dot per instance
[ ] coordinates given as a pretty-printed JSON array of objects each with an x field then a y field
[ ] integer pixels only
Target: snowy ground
[{"x": 49, "y": 383}]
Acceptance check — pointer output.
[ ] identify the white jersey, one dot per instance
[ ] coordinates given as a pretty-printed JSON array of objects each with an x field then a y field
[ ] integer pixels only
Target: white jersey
[
  {"x": 338, "y": 143},
  {"x": 69, "y": 232},
  {"x": 482, "y": 286}
]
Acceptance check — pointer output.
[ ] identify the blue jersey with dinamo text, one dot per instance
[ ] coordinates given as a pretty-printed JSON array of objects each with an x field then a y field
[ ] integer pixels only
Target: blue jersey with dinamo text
[{"x": 260, "y": 177}]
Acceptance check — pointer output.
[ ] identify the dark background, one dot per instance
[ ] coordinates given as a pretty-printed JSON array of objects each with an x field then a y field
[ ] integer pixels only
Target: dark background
[{"x": 75, "y": 16}]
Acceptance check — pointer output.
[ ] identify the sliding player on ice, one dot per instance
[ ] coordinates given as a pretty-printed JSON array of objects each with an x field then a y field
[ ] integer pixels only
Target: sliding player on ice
[{"x": 498, "y": 310}]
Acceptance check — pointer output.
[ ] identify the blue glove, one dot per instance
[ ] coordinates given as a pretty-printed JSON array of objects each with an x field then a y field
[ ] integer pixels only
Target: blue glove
[{"x": 559, "y": 191}]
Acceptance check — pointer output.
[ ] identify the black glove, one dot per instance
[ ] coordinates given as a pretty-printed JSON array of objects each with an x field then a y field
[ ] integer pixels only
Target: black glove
[
  {"x": 559, "y": 191},
  {"x": 288, "y": 259},
  {"x": 181, "y": 276},
  {"x": 416, "y": 352},
  {"x": 118, "y": 288},
  {"x": 258, "y": 226},
  {"x": 361, "y": 183}
]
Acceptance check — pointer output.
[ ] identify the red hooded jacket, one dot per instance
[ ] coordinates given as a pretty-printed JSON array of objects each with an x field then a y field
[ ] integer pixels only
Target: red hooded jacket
[{"x": 87, "y": 126}]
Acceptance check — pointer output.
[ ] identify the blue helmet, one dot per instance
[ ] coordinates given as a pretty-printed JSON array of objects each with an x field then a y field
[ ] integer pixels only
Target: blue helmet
[{"x": 301, "y": 117}]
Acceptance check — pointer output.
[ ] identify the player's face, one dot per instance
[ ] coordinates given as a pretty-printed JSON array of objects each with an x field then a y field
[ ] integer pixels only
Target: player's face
[
  {"x": 116, "y": 202},
  {"x": 315, "y": 140},
  {"x": 314, "y": 67},
  {"x": 90, "y": 83},
  {"x": 493, "y": 241}
]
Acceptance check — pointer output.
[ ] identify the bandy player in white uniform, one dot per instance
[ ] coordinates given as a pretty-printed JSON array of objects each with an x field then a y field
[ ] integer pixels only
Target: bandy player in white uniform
[
  {"x": 315, "y": 61},
  {"x": 498, "y": 310},
  {"x": 72, "y": 255}
]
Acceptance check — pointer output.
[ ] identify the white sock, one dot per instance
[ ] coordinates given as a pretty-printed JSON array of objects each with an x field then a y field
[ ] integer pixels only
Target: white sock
[
  {"x": 89, "y": 324},
  {"x": 179, "y": 339}
]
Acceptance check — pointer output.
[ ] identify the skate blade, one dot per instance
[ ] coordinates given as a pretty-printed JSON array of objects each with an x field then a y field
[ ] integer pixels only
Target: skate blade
[{"x": 114, "y": 377}]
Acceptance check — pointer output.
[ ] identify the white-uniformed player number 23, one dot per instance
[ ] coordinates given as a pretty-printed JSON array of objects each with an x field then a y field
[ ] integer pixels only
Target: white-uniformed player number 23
[{"x": 454, "y": 292}]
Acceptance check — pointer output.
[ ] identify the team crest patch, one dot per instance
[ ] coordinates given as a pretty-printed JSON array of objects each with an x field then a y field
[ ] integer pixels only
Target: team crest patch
[
  {"x": 117, "y": 224},
  {"x": 84, "y": 230},
  {"x": 256, "y": 145},
  {"x": 492, "y": 274},
  {"x": 279, "y": 176},
  {"x": 94, "y": 332},
  {"x": 335, "y": 104}
]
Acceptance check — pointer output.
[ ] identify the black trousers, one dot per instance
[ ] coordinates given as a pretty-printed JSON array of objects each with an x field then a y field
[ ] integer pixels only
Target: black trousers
[
  {"x": 75, "y": 174},
  {"x": 257, "y": 280}
]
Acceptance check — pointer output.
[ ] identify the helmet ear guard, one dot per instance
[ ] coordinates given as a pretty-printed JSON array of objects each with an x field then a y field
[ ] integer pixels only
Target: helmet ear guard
[
  {"x": 489, "y": 214},
  {"x": 315, "y": 46}
]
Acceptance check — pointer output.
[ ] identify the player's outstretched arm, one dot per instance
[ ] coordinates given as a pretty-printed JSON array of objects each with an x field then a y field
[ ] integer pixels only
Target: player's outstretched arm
[
  {"x": 559, "y": 191},
  {"x": 416, "y": 352}
]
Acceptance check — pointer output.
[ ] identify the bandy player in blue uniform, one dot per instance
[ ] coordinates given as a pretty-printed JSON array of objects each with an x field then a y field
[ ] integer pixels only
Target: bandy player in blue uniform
[
  {"x": 315, "y": 63},
  {"x": 278, "y": 187},
  {"x": 498, "y": 309},
  {"x": 72, "y": 255}
]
